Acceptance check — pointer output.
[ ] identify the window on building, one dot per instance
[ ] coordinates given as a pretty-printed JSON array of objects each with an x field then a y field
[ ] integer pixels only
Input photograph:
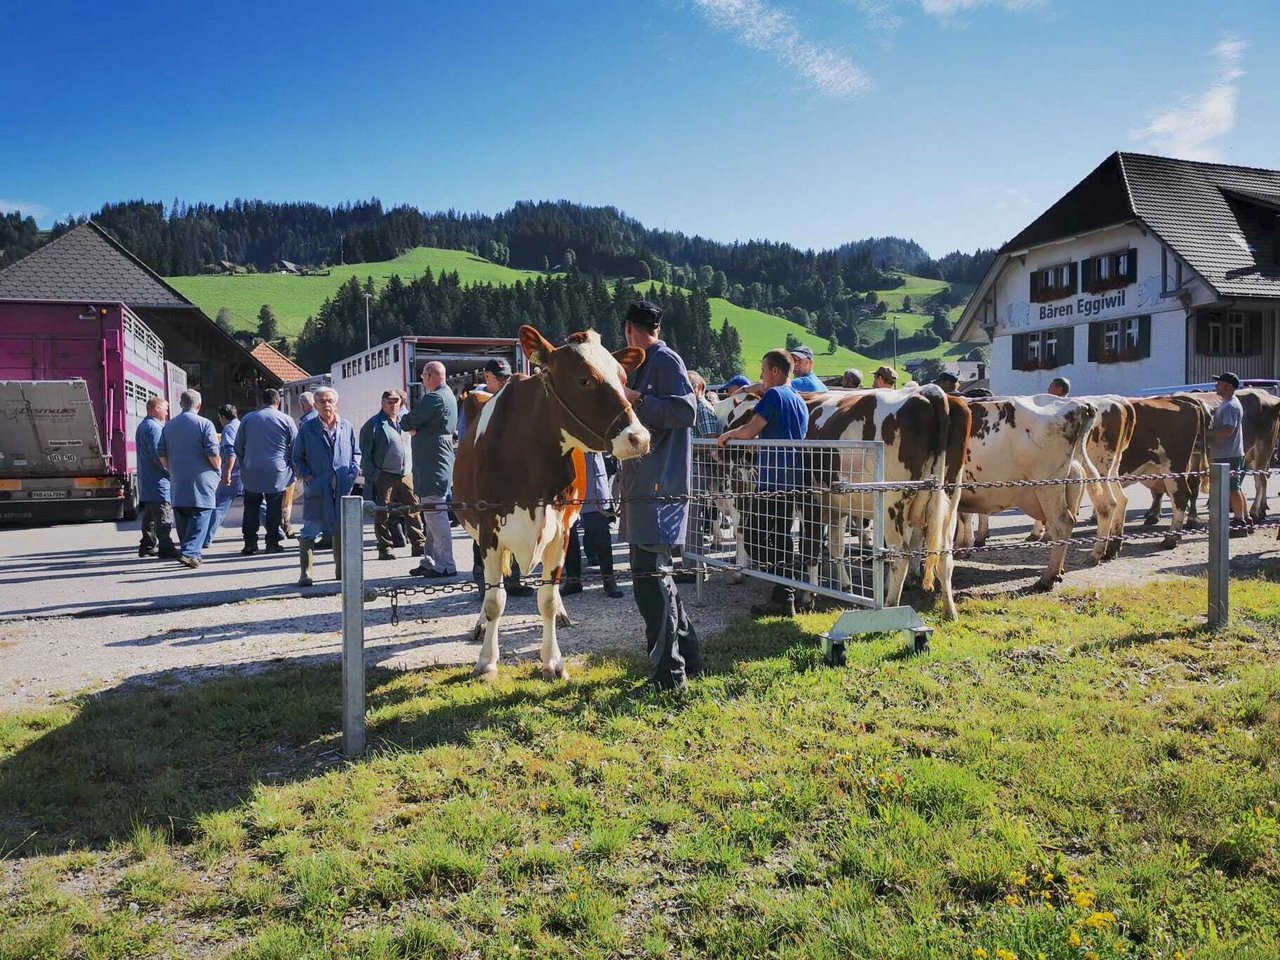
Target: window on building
[
  {"x": 1053, "y": 283},
  {"x": 195, "y": 375},
  {"x": 1120, "y": 341},
  {"x": 1044, "y": 349},
  {"x": 1232, "y": 334},
  {"x": 1172, "y": 273},
  {"x": 1109, "y": 271}
]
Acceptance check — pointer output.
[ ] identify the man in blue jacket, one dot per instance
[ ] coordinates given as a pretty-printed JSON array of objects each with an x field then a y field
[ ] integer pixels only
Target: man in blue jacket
[
  {"x": 433, "y": 422},
  {"x": 153, "y": 485},
  {"x": 326, "y": 456},
  {"x": 662, "y": 397},
  {"x": 230, "y": 486},
  {"x": 264, "y": 446},
  {"x": 188, "y": 449}
]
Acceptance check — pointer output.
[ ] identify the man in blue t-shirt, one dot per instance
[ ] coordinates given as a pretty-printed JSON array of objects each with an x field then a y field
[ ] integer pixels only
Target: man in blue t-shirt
[
  {"x": 805, "y": 381},
  {"x": 780, "y": 415}
]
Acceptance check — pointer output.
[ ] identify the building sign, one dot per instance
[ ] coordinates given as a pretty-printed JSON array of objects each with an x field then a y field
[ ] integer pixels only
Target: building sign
[{"x": 1020, "y": 315}]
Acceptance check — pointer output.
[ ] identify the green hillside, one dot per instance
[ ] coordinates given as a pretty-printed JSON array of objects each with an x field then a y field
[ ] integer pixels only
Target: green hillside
[{"x": 295, "y": 298}]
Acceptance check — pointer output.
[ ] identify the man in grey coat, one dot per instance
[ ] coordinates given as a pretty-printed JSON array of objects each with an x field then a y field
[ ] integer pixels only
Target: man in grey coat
[
  {"x": 663, "y": 399},
  {"x": 433, "y": 422}
]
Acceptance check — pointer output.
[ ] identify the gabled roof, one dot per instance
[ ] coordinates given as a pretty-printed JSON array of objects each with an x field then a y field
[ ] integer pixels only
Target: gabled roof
[
  {"x": 87, "y": 264},
  {"x": 278, "y": 363},
  {"x": 1219, "y": 219}
]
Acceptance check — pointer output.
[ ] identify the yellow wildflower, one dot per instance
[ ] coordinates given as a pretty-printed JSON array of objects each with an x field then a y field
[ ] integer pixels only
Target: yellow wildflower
[
  {"x": 1177, "y": 955},
  {"x": 1221, "y": 729},
  {"x": 1012, "y": 899},
  {"x": 1073, "y": 938},
  {"x": 573, "y": 898},
  {"x": 979, "y": 953},
  {"x": 1100, "y": 920},
  {"x": 577, "y": 845},
  {"x": 1091, "y": 955},
  {"x": 1006, "y": 955},
  {"x": 1083, "y": 899}
]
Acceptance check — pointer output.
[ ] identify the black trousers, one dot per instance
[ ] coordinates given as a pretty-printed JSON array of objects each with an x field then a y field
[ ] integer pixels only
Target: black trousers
[
  {"x": 252, "y": 505},
  {"x": 596, "y": 540},
  {"x": 672, "y": 642},
  {"x": 157, "y": 528},
  {"x": 766, "y": 533}
]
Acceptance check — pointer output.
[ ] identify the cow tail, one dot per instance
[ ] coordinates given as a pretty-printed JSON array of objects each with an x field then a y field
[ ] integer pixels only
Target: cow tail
[
  {"x": 1201, "y": 460},
  {"x": 938, "y": 508}
]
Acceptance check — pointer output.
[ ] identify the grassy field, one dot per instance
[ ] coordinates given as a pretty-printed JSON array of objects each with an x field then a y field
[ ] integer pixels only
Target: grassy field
[
  {"x": 295, "y": 298},
  {"x": 1087, "y": 775}
]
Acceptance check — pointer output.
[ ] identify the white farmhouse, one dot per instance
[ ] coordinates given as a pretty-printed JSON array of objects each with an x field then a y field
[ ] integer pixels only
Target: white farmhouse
[{"x": 1150, "y": 272}]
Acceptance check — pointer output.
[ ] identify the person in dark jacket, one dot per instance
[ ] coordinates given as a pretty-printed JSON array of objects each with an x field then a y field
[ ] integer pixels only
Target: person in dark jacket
[
  {"x": 662, "y": 396},
  {"x": 388, "y": 473},
  {"x": 433, "y": 422},
  {"x": 593, "y": 521},
  {"x": 154, "y": 504},
  {"x": 326, "y": 455}
]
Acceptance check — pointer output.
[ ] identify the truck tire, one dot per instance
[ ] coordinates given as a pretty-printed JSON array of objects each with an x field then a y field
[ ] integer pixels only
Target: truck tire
[{"x": 131, "y": 499}]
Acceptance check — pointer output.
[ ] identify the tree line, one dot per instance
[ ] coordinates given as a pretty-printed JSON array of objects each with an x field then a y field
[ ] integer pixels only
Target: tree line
[{"x": 428, "y": 305}]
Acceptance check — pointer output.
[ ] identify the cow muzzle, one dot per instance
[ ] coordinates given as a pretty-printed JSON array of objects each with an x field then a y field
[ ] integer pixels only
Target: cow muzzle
[{"x": 631, "y": 443}]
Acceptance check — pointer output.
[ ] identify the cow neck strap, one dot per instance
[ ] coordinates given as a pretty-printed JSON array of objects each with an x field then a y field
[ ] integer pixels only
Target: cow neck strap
[{"x": 604, "y": 438}]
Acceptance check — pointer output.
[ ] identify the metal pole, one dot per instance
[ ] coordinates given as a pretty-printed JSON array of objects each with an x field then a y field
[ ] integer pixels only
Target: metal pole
[
  {"x": 352, "y": 547},
  {"x": 1219, "y": 545},
  {"x": 368, "y": 341},
  {"x": 877, "y": 537}
]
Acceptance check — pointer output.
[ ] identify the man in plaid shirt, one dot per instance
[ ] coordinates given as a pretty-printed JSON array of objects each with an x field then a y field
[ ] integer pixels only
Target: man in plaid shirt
[{"x": 705, "y": 423}]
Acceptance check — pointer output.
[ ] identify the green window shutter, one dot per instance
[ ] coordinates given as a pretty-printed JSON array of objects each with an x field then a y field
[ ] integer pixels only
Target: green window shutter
[
  {"x": 1074, "y": 285},
  {"x": 1132, "y": 276},
  {"x": 1035, "y": 286},
  {"x": 1144, "y": 337},
  {"x": 1086, "y": 274},
  {"x": 1019, "y": 361},
  {"x": 1095, "y": 341},
  {"x": 1066, "y": 346}
]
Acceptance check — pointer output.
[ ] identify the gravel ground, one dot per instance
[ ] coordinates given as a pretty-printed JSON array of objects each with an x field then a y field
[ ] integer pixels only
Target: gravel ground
[{"x": 79, "y": 611}]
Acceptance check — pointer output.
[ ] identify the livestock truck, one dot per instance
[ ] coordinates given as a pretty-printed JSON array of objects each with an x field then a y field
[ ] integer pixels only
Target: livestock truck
[{"x": 74, "y": 384}]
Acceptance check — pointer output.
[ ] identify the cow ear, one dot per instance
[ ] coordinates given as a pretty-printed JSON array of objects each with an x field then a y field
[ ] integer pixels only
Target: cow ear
[
  {"x": 630, "y": 358},
  {"x": 535, "y": 345}
]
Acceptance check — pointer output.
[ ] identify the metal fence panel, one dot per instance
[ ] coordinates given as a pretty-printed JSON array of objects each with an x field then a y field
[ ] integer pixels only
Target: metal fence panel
[{"x": 783, "y": 511}]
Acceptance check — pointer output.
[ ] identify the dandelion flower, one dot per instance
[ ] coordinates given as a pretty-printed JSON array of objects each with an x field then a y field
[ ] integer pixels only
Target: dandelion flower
[
  {"x": 1099, "y": 920},
  {"x": 573, "y": 897},
  {"x": 1006, "y": 955},
  {"x": 1073, "y": 938},
  {"x": 979, "y": 953}
]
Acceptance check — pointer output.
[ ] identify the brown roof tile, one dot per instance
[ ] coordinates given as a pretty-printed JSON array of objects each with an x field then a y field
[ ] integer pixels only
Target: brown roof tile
[{"x": 278, "y": 363}]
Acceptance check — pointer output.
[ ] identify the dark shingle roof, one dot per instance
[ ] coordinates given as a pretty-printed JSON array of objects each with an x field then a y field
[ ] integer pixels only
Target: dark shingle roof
[
  {"x": 86, "y": 264},
  {"x": 1218, "y": 218}
]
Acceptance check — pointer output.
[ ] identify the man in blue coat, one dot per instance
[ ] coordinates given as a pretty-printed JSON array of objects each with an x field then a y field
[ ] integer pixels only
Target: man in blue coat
[
  {"x": 230, "y": 485},
  {"x": 264, "y": 445},
  {"x": 188, "y": 449},
  {"x": 327, "y": 458},
  {"x": 153, "y": 485},
  {"x": 660, "y": 392}
]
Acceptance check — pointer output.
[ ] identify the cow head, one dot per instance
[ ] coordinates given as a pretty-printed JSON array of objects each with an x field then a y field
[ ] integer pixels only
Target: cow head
[{"x": 586, "y": 382}]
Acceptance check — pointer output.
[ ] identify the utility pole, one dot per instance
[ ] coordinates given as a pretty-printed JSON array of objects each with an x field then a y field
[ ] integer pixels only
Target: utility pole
[
  {"x": 368, "y": 342},
  {"x": 895, "y": 343}
]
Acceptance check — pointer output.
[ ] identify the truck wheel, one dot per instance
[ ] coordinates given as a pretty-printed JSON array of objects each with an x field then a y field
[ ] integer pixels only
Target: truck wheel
[{"x": 130, "y": 500}]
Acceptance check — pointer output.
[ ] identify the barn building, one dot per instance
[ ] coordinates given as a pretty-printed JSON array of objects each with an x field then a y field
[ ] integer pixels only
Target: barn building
[
  {"x": 1149, "y": 272},
  {"x": 86, "y": 265}
]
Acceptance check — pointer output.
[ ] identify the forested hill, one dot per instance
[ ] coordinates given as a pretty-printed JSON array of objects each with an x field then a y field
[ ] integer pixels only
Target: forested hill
[{"x": 187, "y": 239}]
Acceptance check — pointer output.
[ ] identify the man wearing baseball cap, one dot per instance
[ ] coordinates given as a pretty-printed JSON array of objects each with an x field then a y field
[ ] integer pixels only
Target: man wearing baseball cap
[
  {"x": 885, "y": 378},
  {"x": 947, "y": 381},
  {"x": 804, "y": 380},
  {"x": 653, "y": 491},
  {"x": 731, "y": 387},
  {"x": 388, "y": 479},
  {"x": 1226, "y": 445}
]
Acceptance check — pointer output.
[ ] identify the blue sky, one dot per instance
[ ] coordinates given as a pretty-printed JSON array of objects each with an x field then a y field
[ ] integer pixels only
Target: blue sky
[{"x": 813, "y": 121}]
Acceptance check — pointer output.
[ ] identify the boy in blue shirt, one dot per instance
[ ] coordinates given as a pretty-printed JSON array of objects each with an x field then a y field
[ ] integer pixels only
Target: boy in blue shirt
[
  {"x": 780, "y": 415},
  {"x": 805, "y": 381}
]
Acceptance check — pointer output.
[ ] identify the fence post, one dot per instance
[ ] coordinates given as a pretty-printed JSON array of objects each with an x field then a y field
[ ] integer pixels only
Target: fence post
[
  {"x": 352, "y": 546},
  {"x": 1219, "y": 544},
  {"x": 877, "y": 539}
]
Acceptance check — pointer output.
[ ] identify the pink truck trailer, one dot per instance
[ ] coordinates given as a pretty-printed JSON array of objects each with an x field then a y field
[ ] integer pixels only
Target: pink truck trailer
[{"x": 74, "y": 383}]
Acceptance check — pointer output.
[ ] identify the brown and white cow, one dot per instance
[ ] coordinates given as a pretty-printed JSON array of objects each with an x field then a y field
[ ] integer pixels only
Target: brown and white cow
[
  {"x": 1040, "y": 438},
  {"x": 519, "y": 476},
  {"x": 924, "y": 433},
  {"x": 1261, "y": 427},
  {"x": 1168, "y": 437}
]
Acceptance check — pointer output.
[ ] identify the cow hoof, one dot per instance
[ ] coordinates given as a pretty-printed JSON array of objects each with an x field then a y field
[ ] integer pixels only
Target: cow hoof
[
  {"x": 1112, "y": 553},
  {"x": 1045, "y": 586},
  {"x": 1150, "y": 521},
  {"x": 555, "y": 670},
  {"x": 488, "y": 672},
  {"x": 562, "y": 619},
  {"x": 1096, "y": 558},
  {"x": 1168, "y": 543},
  {"x": 738, "y": 579}
]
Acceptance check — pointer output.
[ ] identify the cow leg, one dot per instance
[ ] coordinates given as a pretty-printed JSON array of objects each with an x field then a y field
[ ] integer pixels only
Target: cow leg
[
  {"x": 1103, "y": 499},
  {"x": 495, "y": 601},
  {"x": 1259, "y": 509},
  {"x": 835, "y": 551},
  {"x": 1115, "y": 536},
  {"x": 964, "y": 531},
  {"x": 550, "y": 607},
  {"x": 1037, "y": 532},
  {"x": 895, "y": 539},
  {"x": 1060, "y": 520},
  {"x": 1180, "y": 495},
  {"x": 984, "y": 529},
  {"x": 1152, "y": 516}
]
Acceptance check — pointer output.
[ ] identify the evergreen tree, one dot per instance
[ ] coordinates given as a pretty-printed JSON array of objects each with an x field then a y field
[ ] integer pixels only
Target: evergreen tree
[
  {"x": 268, "y": 326},
  {"x": 223, "y": 320}
]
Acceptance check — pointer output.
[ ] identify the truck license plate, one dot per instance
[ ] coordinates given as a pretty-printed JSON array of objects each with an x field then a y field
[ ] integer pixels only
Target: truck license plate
[{"x": 49, "y": 494}]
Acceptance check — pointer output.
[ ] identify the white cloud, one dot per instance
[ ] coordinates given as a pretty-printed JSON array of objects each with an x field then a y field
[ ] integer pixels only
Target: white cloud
[
  {"x": 773, "y": 31},
  {"x": 949, "y": 9},
  {"x": 882, "y": 15},
  {"x": 26, "y": 207},
  {"x": 1189, "y": 129}
]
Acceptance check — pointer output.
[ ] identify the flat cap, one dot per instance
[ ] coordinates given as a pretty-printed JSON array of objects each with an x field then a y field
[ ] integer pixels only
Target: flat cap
[
  {"x": 946, "y": 375},
  {"x": 804, "y": 350},
  {"x": 644, "y": 313}
]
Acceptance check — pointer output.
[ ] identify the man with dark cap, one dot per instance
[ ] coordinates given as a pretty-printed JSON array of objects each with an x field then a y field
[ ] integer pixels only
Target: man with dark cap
[
  {"x": 947, "y": 381},
  {"x": 660, "y": 393},
  {"x": 388, "y": 473},
  {"x": 804, "y": 380},
  {"x": 1226, "y": 445}
]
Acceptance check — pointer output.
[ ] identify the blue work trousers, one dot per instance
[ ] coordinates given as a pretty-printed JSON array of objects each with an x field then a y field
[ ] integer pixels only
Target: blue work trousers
[{"x": 193, "y": 529}]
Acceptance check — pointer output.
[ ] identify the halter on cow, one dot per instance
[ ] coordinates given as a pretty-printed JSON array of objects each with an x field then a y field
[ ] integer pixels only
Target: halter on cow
[{"x": 519, "y": 476}]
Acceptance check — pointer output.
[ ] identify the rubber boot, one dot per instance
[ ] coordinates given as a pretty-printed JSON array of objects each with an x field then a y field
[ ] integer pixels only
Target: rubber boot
[
  {"x": 306, "y": 557},
  {"x": 337, "y": 556}
]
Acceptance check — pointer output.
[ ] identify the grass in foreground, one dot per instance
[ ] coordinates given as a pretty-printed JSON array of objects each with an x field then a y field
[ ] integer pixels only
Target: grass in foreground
[{"x": 1074, "y": 776}]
